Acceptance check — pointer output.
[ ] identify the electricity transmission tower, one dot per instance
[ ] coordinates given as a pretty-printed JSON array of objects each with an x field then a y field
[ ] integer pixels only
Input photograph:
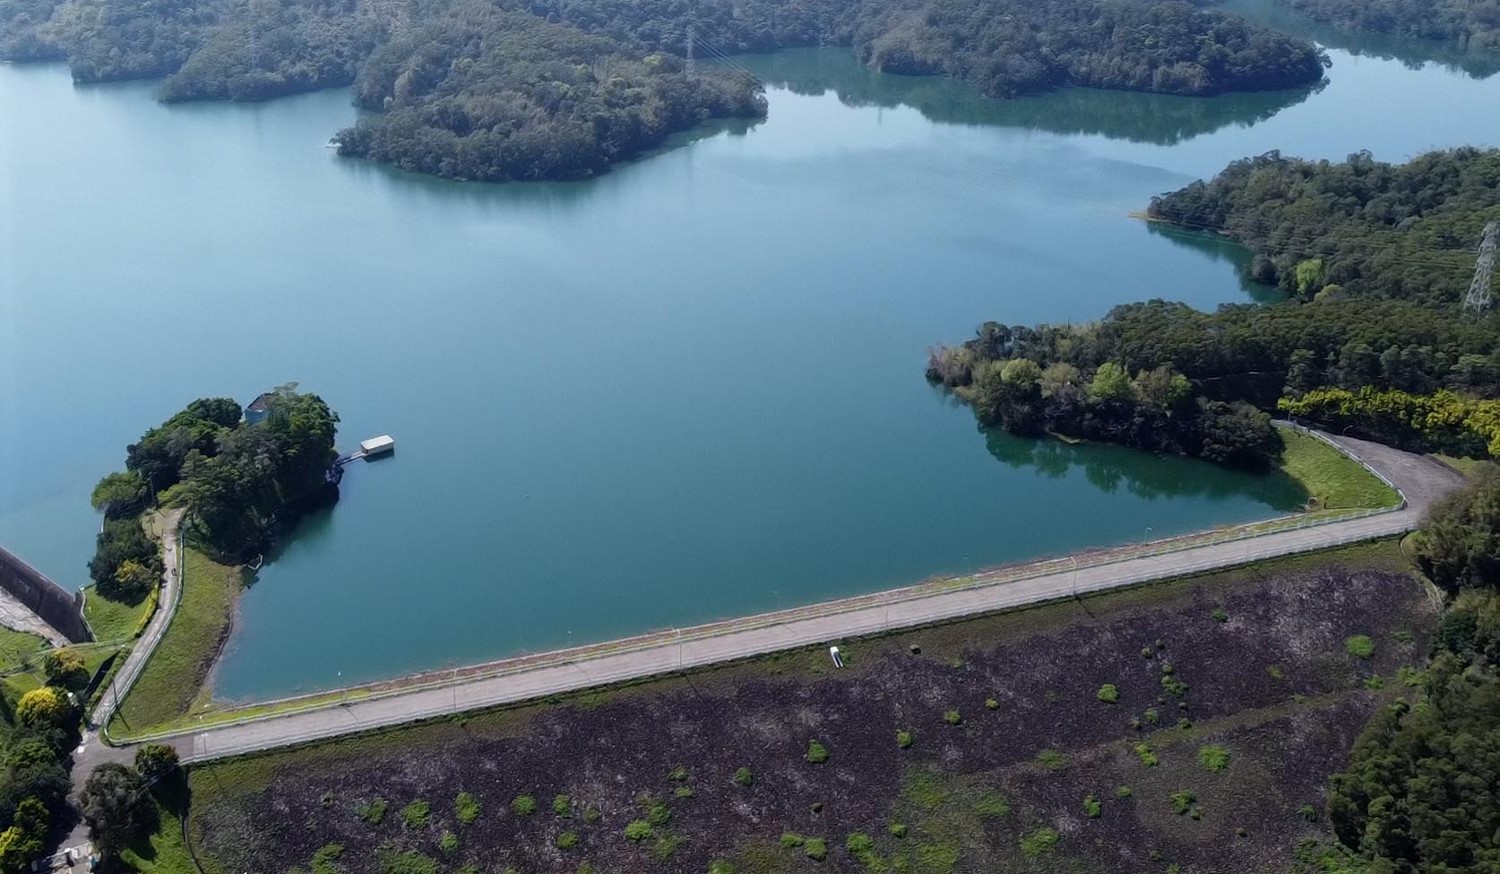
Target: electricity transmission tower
[{"x": 1478, "y": 299}]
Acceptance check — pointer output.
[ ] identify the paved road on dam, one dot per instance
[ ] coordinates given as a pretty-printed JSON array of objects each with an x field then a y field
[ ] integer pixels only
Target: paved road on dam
[{"x": 1420, "y": 479}]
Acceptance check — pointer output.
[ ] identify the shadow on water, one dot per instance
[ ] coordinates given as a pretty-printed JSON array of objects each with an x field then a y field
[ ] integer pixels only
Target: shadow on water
[
  {"x": 1216, "y": 248},
  {"x": 1143, "y": 474},
  {"x": 1411, "y": 53},
  {"x": 1158, "y": 119}
]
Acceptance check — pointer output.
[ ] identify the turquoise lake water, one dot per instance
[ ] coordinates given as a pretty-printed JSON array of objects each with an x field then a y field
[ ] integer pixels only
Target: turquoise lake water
[{"x": 686, "y": 390}]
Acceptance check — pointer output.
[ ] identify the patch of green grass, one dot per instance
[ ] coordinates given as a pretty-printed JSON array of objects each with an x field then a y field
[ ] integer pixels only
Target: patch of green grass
[
  {"x": 1092, "y": 806},
  {"x": 1213, "y": 757},
  {"x": 448, "y": 843},
  {"x": 816, "y": 849},
  {"x": 744, "y": 778},
  {"x": 991, "y": 704},
  {"x": 466, "y": 808},
  {"x": 1108, "y": 693},
  {"x": 416, "y": 814},
  {"x": 1332, "y": 480},
  {"x": 172, "y": 682},
  {"x": 1147, "y": 755},
  {"x": 1123, "y": 792},
  {"x": 523, "y": 805},
  {"x": 903, "y": 739},
  {"x": 792, "y": 840},
  {"x": 992, "y": 804},
  {"x": 683, "y": 792},
  {"x": 372, "y": 812},
  {"x": 1469, "y": 467},
  {"x": 162, "y": 851},
  {"x": 562, "y": 805},
  {"x": 1220, "y": 615},
  {"x": 115, "y": 620},
  {"x": 1039, "y": 841},
  {"x": 678, "y": 774},
  {"x": 897, "y": 829},
  {"x": 567, "y": 840},
  {"x": 637, "y": 830},
  {"x": 1182, "y": 801},
  {"x": 1052, "y": 760},
  {"x": 1360, "y": 646},
  {"x": 953, "y": 717},
  {"x": 816, "y": 752}
]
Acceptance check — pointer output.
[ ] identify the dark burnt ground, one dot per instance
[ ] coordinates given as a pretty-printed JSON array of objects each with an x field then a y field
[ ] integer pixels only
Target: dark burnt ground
[{"x": 1268, "y": 679}]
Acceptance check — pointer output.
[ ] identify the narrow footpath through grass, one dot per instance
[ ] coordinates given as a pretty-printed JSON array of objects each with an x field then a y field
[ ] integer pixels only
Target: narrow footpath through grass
[
  {"x": 173, "y": 679},
  {"x": 1333, "y": 480}
]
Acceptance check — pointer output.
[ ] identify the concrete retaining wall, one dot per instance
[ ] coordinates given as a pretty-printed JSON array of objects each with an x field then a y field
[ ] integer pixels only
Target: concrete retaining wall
[{"x": 55, "y": 606}]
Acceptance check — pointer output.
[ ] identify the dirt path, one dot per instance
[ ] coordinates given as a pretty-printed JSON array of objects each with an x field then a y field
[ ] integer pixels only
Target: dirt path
[{"x": 1420, "y": 479}]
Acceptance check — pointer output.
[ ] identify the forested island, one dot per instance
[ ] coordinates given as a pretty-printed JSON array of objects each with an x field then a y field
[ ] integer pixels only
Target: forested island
[
  {"x": 505, "y": 89},
  {"x": 1471, "y": 24},
  {"x": 1375, "y": 259}
]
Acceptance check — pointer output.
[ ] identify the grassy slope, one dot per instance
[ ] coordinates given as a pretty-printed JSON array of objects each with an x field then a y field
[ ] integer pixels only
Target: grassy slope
[
  {"x": 941, "y": 813},
  {"x": 173, "y": 678},
  {"x": 163, "y": 851},
  {"x": 114, "y": 620},
  {"x": 1465, "y": 466},
  {"x": 1333, "y": 480}
]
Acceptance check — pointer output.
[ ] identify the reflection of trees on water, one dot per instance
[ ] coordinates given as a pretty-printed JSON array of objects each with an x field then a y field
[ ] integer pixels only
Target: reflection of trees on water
[
  {"x": 1142, "y": 474},
  {"x": 1219, "y": 248},
  {"x": 1129, "y": 115},
  {"x": 1410, "y": 53}
]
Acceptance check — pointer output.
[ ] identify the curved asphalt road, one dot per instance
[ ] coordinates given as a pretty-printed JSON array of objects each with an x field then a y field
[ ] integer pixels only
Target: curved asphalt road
[{"x": 1421, "y": 479}]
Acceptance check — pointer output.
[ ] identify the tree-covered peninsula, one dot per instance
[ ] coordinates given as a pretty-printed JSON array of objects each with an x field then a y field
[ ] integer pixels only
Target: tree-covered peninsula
[
  {"x": 239, "y": 483},
  {"x": 510, "y": 89},
  {"x": 1471, "y": 24},
  {"x": 1376, "y": 259}
]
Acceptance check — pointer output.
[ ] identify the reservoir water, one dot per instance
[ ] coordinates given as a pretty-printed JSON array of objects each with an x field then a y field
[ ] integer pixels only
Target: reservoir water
[{"x": 689, "y": 389}]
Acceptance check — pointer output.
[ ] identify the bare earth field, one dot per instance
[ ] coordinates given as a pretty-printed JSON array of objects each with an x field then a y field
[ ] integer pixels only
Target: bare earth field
[{"x": 1015, "y": 763}]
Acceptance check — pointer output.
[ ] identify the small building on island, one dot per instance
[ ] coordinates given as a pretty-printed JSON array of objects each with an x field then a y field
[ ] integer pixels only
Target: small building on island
[{"x": 258, "y": 409}]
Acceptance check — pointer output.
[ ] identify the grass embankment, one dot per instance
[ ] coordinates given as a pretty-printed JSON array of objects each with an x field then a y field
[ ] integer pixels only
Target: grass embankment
[
  {"x": 1333, "y": 480},
  {"x": 985, "y": 744},
  {"x": 1466, "y": 466},
  {"x": 113, "y": 621},
  {"x": 163, "y": 851},
  {"x": 172, "y": 684}
]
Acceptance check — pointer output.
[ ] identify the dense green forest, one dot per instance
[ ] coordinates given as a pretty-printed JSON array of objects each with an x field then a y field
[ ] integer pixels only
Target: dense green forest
[
  {"x": 1472, "y": 24},
  {"x": 1375, "y": 258},
  {"x": 1418, "y": 794},
  {"x": 496, "y": 95},
  {"x": 510, "y": 89},
  {"x": 1358, "y": 227},
  {"x": 239, "y": 482}
]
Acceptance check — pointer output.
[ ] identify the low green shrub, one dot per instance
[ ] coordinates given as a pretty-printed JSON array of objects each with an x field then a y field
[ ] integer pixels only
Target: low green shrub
[
  {"x": 1147, "y": 755},
  {"x": 1092, "y": 806},
  {"x": 562, "y": 805},
  {"x": 683, "y": 792},
  {"x": 816, "y": 849},
  {"x": 567, "y": 840},
  {"x": 991, "y": 704},
  {"x": 744, "y": 778},
  {"x": 1123, "y": 792},
  {"x": 792, "y": 840},
  {"x": 1052, "y": 760},
  {"x": 637, "y": 830},
  {"x": 448, "y": 843},
  {"x": 372, "y": 812},
  {"x": 466, "y": 808},
  {"x": 1360, "y": 646},
  {"x": 952, "y": 717},
  {"x": 1039, "y": 841},
  {"x": 416, "y": 814},
  {"x": 1213, "y": 757},
  {"x": 1108, "y": 693},
  {"x": 816, "y": 752},
  {"x": 992, "y": 804},
  {"x": 1220, "y": 616},
  {"x": 897, "y": 829},
  {"x": 523, "y": 805},
  {"x": 1182, "y": 801},
  {"x": 903, "y": 739},
  {"x": 678, "y": 774}
]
